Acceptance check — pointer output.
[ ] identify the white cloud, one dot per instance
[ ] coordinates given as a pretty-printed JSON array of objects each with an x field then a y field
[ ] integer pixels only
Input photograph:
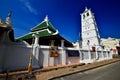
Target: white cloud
[{"x": 29, "y": 7}]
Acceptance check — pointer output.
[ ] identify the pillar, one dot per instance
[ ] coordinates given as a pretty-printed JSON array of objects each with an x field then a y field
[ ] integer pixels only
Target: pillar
[
  {"x": 102, "y": 55},
  {"x": 51, "y": 60},
  {"x": 62, "y": 43},
  {"x": 89, "y": 54},
  {"x": 63, "y": 53},
  {"x": 107, "y": 57},
  {"x": 96, "y": 54},
  {"x": 35, "y": 51}
]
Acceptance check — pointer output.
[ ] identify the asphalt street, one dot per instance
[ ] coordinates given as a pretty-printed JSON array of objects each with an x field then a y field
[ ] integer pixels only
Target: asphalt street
[{"x": 108, "y": 72}]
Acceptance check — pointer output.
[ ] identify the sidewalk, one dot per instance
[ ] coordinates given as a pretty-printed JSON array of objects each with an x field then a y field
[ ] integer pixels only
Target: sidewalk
[
  {"x": 49, "y": 72},
  {"x": 68, "y": 70}
]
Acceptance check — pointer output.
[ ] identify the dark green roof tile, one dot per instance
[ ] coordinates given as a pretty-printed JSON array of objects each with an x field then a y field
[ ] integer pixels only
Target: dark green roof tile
[
  {"x": 39, "y": 33},
  {"x": 43, "y": 25},
  {"x": 41, "y": 30}
]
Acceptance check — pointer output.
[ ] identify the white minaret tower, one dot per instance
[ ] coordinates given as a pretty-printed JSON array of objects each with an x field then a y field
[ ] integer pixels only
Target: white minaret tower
[{"x": 90, "y": 34}]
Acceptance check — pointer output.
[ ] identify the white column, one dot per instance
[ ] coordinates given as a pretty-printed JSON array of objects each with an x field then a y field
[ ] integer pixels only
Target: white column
[
  {"x": 51, "y": 61},
  {"x": 63, "y": 53},
  {"x": 111, "y": 55},
  {"x": 35, "y": 45},
  {"x": 102, "y": 55},
  {"x": 62, "y": 43},
  {"x": 106, "y": 54},
  {"x": 96, "y": 54},
  {"x": 89, "y": 54},
  {"x": 81, "y": 54}
]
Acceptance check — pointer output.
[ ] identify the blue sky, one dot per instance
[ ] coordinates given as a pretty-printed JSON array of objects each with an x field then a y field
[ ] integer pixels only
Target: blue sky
[{"x": 64, "y": 15}]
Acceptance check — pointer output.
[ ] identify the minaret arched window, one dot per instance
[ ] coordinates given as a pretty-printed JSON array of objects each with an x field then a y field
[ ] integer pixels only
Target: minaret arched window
[
  {"x": 83, "y": 16},
  {"x": 87, "y": 14}
]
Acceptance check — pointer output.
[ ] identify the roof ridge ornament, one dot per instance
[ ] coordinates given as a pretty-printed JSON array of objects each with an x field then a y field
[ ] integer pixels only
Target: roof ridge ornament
[
  {"x": 46, "y": 19},
  {"x": 57, "y": 32},
  {"x": 8, "y": 19},
  {"x": 9, "y": 13},
  {"x": 86, "y": 8}
]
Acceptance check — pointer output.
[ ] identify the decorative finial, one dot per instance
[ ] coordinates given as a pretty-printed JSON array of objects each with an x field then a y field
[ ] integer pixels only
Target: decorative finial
[
  {"x": 8, "y": 19},
  {"x": 46, "y": 18},
  {"x": 9, "y": 13},
  {"x": 86, "y": 8}
]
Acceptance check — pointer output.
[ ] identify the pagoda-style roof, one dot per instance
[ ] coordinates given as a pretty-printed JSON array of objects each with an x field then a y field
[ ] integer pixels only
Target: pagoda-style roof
[
  {"x": 43, "y": 29},
  {"x": 46, "y": 32}
]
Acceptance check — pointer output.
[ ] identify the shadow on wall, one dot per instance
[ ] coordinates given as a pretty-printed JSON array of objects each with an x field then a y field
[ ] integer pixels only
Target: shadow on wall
[
  {"x": 15, "y": 57},
  {"x": 41, "y": 57}
]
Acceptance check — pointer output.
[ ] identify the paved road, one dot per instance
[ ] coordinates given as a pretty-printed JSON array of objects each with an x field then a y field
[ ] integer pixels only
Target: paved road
[{"x": 109, "y": 72}]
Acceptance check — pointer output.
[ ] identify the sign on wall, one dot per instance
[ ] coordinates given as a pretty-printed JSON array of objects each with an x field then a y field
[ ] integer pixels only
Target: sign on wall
[
  {"x": 53, "y": 51},
  {"x": 73, "y": 53}
]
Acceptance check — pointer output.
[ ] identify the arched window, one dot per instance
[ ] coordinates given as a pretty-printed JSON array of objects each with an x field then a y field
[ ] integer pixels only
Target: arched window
[
  {"x": 88, "y": 42},
  {"x": 84, "y": 16},
  {"x": 87, "y": 14}
]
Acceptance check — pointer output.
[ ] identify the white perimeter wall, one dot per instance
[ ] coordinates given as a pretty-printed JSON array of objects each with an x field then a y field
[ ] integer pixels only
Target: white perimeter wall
[{"x": 16, "y": 57}]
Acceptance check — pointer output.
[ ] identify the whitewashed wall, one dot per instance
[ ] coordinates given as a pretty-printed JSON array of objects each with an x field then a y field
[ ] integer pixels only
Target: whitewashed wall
[
  {"x": 45, "y": 60},
  {"x": 44, "y": 56},
  {"x": 71, "y": 60},
  {"x": 15, "y": 57}
]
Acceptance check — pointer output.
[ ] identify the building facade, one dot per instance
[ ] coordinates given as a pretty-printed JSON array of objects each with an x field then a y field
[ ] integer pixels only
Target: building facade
[{"x": 112, "y": 43}]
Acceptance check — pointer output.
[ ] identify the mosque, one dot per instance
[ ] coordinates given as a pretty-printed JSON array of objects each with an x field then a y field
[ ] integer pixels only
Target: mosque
[{"x": 48, "y": 47}]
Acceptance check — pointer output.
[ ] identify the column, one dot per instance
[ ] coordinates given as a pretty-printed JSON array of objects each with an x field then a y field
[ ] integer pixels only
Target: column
[
  {"x": 89, "y": 54},
  {"x": 51, "y": 60},
  {"x": 35, "y": 51},
  {"x": 96, "y": 54},
  {"x": 102, "y": 55},
  {"x": 63, "y": 53},
  {"x": 106, "y": 54},
  {"x": 62, "y": 43}
]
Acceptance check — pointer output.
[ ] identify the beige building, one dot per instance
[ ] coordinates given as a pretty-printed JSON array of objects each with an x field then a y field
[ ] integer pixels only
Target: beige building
[{"x": 111, "y": 43}]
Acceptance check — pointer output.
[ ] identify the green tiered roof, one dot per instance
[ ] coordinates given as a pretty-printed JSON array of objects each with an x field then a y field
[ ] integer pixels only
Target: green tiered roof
[
  {"x": 45, "y": 28},
  {"x": 41, "y": 34},
  {"x": 44, "y": 25}
]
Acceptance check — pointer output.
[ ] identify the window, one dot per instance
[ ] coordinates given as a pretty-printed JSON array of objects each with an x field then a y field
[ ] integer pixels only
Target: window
[
  {"x": 87, "y": 14},
  {"x": 84, "y": 16},
  {"x": 88, "y": 42}
]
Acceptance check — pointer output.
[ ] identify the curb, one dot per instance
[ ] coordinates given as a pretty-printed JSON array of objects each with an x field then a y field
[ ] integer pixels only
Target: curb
[
  {"x": 40, "y": 71},
  {"x": 73, "y": 72}
]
